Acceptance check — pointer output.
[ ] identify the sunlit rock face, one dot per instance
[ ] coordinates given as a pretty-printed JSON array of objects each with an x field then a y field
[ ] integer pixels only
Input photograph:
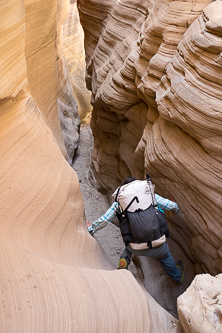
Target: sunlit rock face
[
  {"x": 205, "y": 293},
  {"x": 66, "y": 103},
  {"x": 74, "y": 55},
  {"x": 43, "y": 24},
  {"x": 54, "y": 275},
  {"x": 154, "y": 69}
]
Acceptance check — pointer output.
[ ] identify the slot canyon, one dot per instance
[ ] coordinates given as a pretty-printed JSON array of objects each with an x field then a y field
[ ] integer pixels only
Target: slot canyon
[{"x": 93, "y": 91}]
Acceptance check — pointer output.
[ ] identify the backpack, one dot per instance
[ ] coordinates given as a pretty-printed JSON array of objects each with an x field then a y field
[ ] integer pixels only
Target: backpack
[
  {"x": 140, "y": 225},
  {"x": 139, "y": 188}
]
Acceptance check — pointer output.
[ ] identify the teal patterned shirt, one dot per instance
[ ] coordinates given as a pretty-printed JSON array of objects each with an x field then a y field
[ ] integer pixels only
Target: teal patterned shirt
[{"x": 110, "y": 214}]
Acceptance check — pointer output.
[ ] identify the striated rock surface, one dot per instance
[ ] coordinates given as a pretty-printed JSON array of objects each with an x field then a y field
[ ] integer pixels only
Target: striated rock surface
[
  {"x": 154, "y": 72},
  {"x": 200, "y": 306},
  {"x": 190, "y": 102},
  {"x": 74, "y": 55},
  {"x": 67, "y": 106},
  {"x": 46, "y": 76},
  {"x": 54, "y": 275}
]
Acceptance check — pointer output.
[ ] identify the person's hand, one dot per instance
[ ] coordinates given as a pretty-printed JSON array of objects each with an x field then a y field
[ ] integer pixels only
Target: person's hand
[
  {"x": 89, "y": 225},
  {"x": 176, "y": 209}
]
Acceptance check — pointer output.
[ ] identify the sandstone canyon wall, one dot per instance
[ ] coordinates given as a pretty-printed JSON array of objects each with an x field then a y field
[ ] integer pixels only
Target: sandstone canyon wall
[
  {"x": 154, "y": 69},
  {"x": 54, "y": 275},
  {"x": 74, "y": 55}
]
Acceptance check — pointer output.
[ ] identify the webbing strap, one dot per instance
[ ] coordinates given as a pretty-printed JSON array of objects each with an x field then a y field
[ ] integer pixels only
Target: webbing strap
[
  {"x": 149, "y": 244},
  {"x": 135, "y": 198},
  {"x": 149, "y": 182},
  {"x": 117, "y": 193}
]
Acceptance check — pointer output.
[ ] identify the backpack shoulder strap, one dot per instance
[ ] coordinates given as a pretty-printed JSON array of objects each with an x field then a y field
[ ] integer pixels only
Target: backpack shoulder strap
[
  {"x": 117, "y": 193},
  {"x": 150, "y": 184},
  {"x": 116, "y": 199}
]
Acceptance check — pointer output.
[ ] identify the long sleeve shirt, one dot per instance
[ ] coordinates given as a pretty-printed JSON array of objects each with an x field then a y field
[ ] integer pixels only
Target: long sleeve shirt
[{"x": 110, "y": 214}]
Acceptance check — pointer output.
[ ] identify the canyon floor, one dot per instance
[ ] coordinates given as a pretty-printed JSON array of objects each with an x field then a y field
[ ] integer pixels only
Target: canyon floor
[
  {"x": 96, "y": 203},
  {"x": 159, "y": 285}
]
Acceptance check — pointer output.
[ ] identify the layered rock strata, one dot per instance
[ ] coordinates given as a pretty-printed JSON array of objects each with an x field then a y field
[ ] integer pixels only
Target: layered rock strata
[
  {"x": 45, "y": 72},
  {"x": 189, "y": 101},
  {"x": 74, "y": 55},
  {"x": 54, "y": 275},
  {"x": 154, "y": 72}
]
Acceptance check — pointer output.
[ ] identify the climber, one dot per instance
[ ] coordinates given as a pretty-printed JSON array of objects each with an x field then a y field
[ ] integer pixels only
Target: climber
[{"x": 153, "y": 246}]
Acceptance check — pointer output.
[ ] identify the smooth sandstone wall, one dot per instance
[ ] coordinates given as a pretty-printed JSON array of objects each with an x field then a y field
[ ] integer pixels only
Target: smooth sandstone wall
[
  {"x": 54, "y": 275},
  {"x": 39, "y": 46},
  {"x": 47, "y": 78},
  {"x": 74, "y": 56}
]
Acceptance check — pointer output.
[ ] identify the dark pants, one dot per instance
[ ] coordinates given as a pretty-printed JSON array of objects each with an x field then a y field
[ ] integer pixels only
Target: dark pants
[{"x": 162, "y": 253}]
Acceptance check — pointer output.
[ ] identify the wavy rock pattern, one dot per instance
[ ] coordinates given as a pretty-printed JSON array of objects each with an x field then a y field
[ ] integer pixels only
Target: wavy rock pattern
[
  {"x": 48, "y": 83},
  {"x": 189, "y": 97},
  {"x": 73, "y": 51},
  {"x": 54, "y": 276},
  {"x": 154, "y": 72},
  {"x": 40, "y": 30}
]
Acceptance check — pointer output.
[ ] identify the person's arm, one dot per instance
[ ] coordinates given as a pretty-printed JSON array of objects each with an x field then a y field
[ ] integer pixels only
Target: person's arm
[
  {"x": 166, "y": 203},
  {"x": 103, "y": 220}
]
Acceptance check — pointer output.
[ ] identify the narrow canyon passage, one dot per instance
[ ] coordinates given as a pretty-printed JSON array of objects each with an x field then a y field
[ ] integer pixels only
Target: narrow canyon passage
[
  {"x": 149, "y": 76},
  {"x": 158, "y": 284},
  {"x": 95, "y": 203}
]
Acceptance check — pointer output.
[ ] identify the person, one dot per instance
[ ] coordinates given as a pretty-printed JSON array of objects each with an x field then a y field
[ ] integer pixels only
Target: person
[{"x": 161, "y": 252}]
